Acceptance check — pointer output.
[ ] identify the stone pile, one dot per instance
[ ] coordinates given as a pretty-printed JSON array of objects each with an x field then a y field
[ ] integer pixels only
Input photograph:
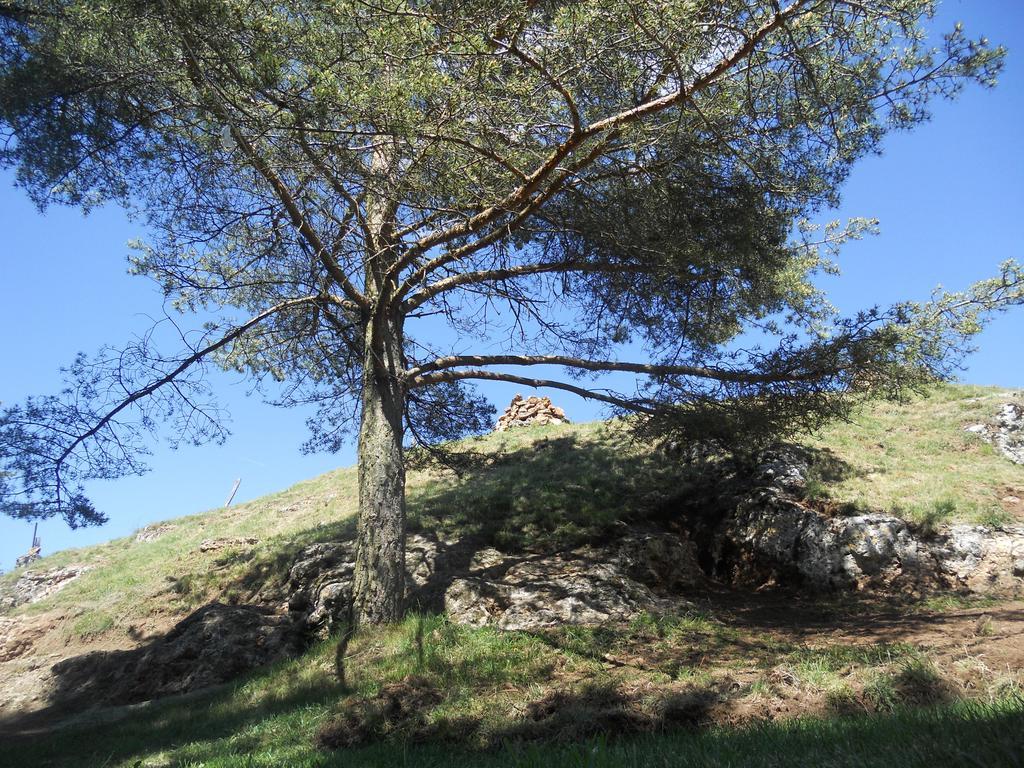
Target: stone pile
[{"x": 527, "y": 412}]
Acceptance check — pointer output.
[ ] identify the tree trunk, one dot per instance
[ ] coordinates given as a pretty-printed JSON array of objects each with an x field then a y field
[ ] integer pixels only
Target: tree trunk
[{"x": 379, "y": 584}]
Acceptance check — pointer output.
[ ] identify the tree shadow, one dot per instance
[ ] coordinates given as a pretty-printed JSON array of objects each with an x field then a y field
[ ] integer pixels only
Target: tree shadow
[
  {"x": 213, "y": 645},
  {"x": 555, "y": 493}
]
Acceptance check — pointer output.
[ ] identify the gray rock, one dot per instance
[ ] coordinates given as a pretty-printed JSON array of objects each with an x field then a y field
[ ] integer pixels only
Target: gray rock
[
  {"x": 589, "y": 585},
  {"x": 551, "y": 591},
  {"x": 784, "y": 468},
  {"x": 642, "y": 572},
  {"x": 1006, "y": 433},
  {"x": 771, "y": 535},
  {"x": 33, "y": 586},
  {"x": 153, "y": 532},
  {"x": 320, "y": 581},
  {"x": 238, "y": 542}
]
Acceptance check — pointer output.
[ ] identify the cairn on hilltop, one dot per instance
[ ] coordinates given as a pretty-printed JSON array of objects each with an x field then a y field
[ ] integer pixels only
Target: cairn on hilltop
[{"x": 532, "y": 410}]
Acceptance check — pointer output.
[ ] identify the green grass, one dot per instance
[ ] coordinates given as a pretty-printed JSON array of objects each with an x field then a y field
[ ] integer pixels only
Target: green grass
[
  {"x": 917, "y": 462},
  {"x": 269, "y": 719},
  {"x": 550, "y": 488},
  {"x": 546, "y": 488}
]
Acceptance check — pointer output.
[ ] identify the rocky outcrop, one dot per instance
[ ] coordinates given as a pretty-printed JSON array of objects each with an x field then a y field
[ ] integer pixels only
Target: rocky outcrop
[
  {"x": 33, "y": 586},
  {"x": 528, "y": 412},
  {"x": 320, "y": 581},
  {"x": 239, "y": 542},
  {"x": 215, "y": 644},
  {"x": 1006, "y": 433},
  {"x": 34, "y": 553},
  {"x": 590, "y": 585},
  {"x": 772, "y": 536},
  {"x": 153, "y": 532}
]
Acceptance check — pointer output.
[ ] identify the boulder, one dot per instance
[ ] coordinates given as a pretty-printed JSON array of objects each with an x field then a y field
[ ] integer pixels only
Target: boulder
[
  {"x": 643, "y": 572},
  {"x": 552, "y": 591}
]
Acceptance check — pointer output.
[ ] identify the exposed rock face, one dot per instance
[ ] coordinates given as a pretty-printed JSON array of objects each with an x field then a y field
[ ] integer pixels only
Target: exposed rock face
[
  {"x": 585, "y": 586},
  {"x": 1007, "y": 433},
  {"x": 153, "y": 532},
  {"x": 212, "y": 545},
  {"x": 522, "y": 591},
  {"x": 215, "y": 644},
  {"x": 29, "y": 557},
  {"x": 771, "y": 535},
  {"x": 35, "y": 585},
  {"x": 320, "y": 580},
  {"x": 532, "y": 410},
  {"x": 17, "y": 636}
]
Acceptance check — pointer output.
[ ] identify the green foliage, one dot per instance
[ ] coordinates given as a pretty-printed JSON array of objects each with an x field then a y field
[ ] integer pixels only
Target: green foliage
[{"x": 562, "y": 183}]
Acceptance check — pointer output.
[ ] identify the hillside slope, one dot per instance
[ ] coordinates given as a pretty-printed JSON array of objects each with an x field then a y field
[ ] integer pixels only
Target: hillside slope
[{"x": 547, "y": 488}]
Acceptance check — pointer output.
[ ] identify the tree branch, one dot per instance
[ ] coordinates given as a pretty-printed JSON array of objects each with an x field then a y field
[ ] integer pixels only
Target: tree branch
[
  {"x": 192, "y": 359},
  {"x": 507, "y": 273},
  {"x": 437, "y": 378},
  {"x": 519, "y": 199},
  {"x": 717, "y": 374}
]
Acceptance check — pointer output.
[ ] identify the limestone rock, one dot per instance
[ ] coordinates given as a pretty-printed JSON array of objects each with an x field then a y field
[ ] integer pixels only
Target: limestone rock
[
  {"x": 548, "y": 592},
  {"x": 320, "y": 580},
  {"x": 1007, "y": 433},
  {"x": 153, "y": 532},
  {"x": 784, "y": 468},
  {"x": 31, "y": 556},
  {"x": 33, "y": 586},
  {"x": 591, "y": 585},
  {"x": 771, "y": 535},
  {"x": 532, "y": 410},
  {"x": 212, "y": 545}
]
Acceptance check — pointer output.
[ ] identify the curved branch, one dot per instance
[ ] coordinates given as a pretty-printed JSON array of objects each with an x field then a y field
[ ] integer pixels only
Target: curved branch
[
  {"x": 507, "y": 273},
  {"x": 522, "y": 198},
  {"x": 438, "y": 378},
  {"x": 200, "y": 82},
  {"x": 189, "y": 361},
  {"x": 717, "y": 374}
]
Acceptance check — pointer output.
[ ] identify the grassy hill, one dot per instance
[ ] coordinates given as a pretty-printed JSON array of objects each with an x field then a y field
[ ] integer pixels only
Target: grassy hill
[{"x": 556, "y": 487}]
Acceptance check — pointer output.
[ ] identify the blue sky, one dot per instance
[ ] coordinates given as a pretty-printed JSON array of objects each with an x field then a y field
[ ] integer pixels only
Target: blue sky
[{"x": 950, "y": 198}]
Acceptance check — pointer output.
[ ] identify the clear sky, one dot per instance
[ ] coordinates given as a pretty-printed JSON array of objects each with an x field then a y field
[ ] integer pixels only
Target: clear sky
[{"x": 950, "y": 198}]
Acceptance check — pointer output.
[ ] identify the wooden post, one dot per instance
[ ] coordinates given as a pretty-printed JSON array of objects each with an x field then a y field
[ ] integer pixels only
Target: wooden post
[{"x": 234, "y": 490}]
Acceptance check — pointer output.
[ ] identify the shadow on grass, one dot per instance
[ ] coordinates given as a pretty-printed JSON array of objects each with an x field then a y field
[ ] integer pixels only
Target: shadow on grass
[
  {"x": 554, "y": 493},
  {"x": 108, "y": 737}
]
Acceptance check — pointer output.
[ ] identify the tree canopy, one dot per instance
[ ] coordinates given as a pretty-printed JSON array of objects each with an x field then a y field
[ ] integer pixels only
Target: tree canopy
[{"x": 602, "y": 185}]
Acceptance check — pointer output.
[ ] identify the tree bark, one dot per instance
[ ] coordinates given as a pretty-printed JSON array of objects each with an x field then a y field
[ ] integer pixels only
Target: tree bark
[{"x": 379, "y": 584}]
